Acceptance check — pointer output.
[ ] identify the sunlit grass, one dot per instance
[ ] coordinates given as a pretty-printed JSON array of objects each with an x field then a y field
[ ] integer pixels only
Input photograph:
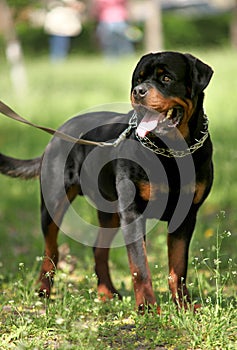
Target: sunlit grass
[{"x": 75, "y": 319}]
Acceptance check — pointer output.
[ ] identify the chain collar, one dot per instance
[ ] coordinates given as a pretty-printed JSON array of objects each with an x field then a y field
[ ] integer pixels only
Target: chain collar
[{"x": 166, "y": 152}]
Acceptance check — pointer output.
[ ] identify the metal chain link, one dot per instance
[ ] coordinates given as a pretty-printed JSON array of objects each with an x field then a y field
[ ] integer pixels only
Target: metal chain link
[
  {"x": 168, "y": 152},
  {"x": 131, "y": 125}
]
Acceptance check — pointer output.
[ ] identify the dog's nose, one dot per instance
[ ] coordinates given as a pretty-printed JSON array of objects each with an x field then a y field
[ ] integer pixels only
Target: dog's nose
[{"x": 140, "y": 91}]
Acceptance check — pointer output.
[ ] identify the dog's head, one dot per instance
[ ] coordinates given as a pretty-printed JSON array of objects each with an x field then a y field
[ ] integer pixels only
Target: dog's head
[{"x": 165, "y": 89}]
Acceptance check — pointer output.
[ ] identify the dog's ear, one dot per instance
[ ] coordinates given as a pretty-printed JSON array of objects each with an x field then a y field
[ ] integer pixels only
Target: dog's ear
[{"x": 200, "y": 74}]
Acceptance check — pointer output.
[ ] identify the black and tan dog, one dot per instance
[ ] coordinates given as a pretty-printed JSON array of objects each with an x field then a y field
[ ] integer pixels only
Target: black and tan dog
[{"x": 162, "y": 169}]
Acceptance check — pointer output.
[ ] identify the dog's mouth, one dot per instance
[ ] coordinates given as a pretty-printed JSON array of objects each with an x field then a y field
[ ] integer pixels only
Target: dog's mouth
[{"x": 158, "y": 123}]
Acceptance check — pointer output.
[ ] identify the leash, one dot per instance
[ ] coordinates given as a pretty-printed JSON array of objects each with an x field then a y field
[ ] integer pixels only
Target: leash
[
  {"x": 132, "y": 124},
  {"x": 8, "y": 112}
]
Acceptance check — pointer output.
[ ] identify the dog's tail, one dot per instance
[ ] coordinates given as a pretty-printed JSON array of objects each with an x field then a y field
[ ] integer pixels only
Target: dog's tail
[{"x": 25, "y": 169}]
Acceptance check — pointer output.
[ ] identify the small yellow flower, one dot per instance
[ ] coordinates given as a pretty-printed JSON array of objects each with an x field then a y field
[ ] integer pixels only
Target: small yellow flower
[{"x": 209, "y": 233}]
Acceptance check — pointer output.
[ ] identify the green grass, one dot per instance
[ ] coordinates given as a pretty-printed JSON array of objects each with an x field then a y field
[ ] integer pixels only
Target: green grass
[{"x": 73, "y": 318}]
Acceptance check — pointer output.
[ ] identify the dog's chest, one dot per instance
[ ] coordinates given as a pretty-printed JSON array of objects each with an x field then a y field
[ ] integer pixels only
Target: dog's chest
[{"x": 150, "y": 191}]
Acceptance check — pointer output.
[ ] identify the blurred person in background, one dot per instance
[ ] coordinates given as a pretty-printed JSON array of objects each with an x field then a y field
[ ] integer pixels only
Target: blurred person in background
[
  {"x": 62, "y": 22},
  {"x": 113, "y": 28}
]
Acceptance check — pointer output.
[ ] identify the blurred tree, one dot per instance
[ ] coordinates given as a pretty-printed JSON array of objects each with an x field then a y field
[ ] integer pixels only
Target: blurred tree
[
  {"x": 234, "y": 27},
  {"x": 13, "y": 48},
  {"x": 153, "y": 26}
]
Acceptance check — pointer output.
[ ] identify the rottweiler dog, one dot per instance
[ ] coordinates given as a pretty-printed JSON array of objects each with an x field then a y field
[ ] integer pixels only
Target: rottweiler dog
[{"x": 159, "y": 165}]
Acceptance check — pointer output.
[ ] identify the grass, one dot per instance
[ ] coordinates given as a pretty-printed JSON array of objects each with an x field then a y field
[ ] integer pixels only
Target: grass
[{"x": 73, "y": 318}]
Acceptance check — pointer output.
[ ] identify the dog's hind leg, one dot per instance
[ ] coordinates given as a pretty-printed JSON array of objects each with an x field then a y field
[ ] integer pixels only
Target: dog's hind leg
[
  {"x": 109, "y": 227},
  {"x": 50, "y": 226}
]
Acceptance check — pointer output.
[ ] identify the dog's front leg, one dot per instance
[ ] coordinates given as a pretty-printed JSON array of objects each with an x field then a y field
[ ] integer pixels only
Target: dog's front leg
[
  {"x": 141, "y": 276},
  {"x": 133, "y": 227},
  {"x": 137, "y": 257},
  {"x": 178, "y": 247}
]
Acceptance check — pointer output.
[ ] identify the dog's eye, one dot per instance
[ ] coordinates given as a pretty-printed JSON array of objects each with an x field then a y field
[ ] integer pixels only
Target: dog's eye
[{"x": 166, "y": 78}]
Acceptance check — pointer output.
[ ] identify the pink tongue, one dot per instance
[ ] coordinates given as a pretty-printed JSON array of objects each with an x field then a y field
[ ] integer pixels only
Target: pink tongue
[{"x": 148, "y": 123}]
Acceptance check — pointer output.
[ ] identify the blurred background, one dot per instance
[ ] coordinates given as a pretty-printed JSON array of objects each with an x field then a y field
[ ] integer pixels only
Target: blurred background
[
  {"x": 113, "y": 28},
  {"x": 151, "y": 24},
  {"x": 59, "y": 58}
]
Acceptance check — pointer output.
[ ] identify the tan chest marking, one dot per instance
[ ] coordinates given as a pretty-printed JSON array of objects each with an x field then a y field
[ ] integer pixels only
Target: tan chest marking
[
  {"x": 199, "y": 192},
  {"x": 197, "y": 189},
  {"x": 150, "y": 191}
]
